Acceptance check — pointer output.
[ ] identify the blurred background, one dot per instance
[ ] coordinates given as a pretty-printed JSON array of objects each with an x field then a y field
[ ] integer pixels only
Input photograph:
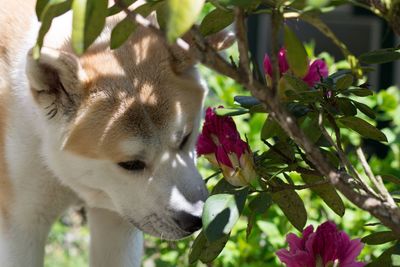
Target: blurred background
[{"x": 68, "y": 241}]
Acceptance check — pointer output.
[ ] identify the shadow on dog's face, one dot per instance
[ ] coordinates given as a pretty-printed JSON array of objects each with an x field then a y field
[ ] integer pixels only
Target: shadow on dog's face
[{"x": 120, "y": 131}]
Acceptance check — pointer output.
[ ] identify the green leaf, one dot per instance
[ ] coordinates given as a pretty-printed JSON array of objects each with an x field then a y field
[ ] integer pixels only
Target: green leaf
[
  {"x": 54, "y": 8},
  {"x": 391, "y": 178},
  {"x": 380, "y": 56},
  {"x": 204, "y": 250},
  {"x": 247, "y": 101},
  {"x": 344, "y": 82},
  {"x": 230, "y": 111},
  {"x": 121, "y": 32},
  {"x": 162, "y": 15},
  {"x": 39, "y": 8},
  {"x": 295, "y": 83},
  {"x": 297, "y": 109},
  {"x": 270, "y": 129},
  {"x": 223, "y": 187},
  {"x": 364, "y": 109},
  {"x": 337, "y": 75},
  {"x": 126, "y": 27},
  {"x": 305, "y": 97},
  {"x": 260, "y": 203},
  {"x": 291, "y": 205},
  {"x": 385, "y": 259},
  {"x": 182, "y": 14},
  {"x": 240, "y": 3},
  {"x": 362, "y": 127},
  {"x": 380, "y": 238},
  {"x": 216, "y": 21},
  {"x": 295, "y": 53},
  {"x": 221, "y": 212},
  {"x": 360, "y": 92},
  {"x": 89, "y": 17},
  {"x": 311, "y": 128},
  {"x": 286, "y": 152},
  {"x": 327, "y": 192},
  {"x": 346, "y": 107},
  {"x": 115, "y": 9}
]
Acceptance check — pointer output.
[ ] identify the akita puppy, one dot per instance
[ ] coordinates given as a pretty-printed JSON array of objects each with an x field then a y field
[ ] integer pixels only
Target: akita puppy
[{"x": 112, "y": 129}]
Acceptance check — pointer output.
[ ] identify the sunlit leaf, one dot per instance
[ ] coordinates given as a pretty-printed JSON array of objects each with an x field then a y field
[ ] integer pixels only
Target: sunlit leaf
[
  {"x": 182, "y": 14},
  {"x": 89, "y": 17},
  {"x": 220, "y": 213},
  {"x": 54, "y": 8}
]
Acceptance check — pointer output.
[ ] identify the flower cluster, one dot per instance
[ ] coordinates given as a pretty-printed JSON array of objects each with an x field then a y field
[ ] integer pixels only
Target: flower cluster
[
  {"x": 221, "y": 144},
  {"x": 325, "y": 247},
  {"x": 316, "y": 69}
]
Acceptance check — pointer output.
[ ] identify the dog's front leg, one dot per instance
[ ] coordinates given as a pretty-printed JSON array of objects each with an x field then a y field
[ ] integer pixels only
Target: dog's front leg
[
  {"x": 113, "y": 241},
  {"x": 23, "y": 238}
]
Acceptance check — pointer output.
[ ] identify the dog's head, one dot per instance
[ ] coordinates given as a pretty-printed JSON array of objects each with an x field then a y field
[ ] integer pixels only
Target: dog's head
[{"x": 119, "y": 128}]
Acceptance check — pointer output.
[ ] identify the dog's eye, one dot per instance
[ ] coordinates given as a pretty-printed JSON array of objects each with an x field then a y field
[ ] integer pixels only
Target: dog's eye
[
  {"x": 134, "y": 165},
  {"x": 184, "y": 141}
]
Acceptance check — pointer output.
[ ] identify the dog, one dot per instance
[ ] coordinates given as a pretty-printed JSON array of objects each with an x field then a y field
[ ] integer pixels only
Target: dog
[{"x": 113, "y": 130}]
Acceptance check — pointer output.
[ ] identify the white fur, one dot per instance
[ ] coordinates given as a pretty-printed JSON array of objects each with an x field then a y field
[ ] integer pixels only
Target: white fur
[{"x": 46, "y": 180}]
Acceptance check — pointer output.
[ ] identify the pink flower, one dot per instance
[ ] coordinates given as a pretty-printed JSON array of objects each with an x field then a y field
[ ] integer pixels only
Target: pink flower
[
  {"x": 324, "y": 248},
  {"x": 316, "y": 69},
  {"x": 220, "y": 143}
]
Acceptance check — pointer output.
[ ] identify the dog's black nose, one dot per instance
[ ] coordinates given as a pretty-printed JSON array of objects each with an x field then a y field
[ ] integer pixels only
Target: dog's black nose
[{"x": 188, "y": 222}]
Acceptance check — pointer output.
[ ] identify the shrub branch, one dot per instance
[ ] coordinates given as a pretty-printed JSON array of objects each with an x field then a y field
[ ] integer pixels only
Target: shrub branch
[{"x": 387, "y": 212}]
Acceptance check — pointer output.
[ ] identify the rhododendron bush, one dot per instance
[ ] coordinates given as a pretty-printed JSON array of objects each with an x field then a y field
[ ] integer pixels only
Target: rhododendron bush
[{"x": 285, "y": 147}]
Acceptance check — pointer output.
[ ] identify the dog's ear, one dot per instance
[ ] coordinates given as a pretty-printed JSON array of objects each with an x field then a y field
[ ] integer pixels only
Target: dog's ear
[
  {"x": 56, "y": 76},
  {"x": 184, "y": 61}
]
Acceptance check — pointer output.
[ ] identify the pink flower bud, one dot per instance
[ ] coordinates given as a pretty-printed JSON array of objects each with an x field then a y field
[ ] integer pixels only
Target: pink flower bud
[
  {"x": 316, "y": 69},
  {"x": 324, "y": 248},
  {"x": 220, "y": 143},
  {"x": 283, "y": 64}
]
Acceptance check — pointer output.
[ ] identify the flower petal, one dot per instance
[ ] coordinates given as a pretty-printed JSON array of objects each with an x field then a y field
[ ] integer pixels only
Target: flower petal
[
  {"x": 317, "y": 69},
  {"x": 222, "y": 157},
  {"x": 267, "y": 65},
  {"x": 205, "y": 145},
  {"x": 283, "y": 64},
  {"x": 298, "y": 259},
  {"x": 352, "y": 250}
]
